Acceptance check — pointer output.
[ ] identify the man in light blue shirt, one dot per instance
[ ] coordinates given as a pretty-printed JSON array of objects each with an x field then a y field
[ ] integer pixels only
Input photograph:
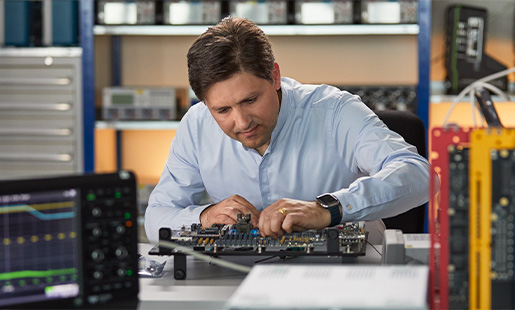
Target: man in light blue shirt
[{"x": 294, "y": 156}]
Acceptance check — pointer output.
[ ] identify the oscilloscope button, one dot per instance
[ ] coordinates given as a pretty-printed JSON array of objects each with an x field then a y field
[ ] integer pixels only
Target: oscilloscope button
[{"x": 93, "y": 299}]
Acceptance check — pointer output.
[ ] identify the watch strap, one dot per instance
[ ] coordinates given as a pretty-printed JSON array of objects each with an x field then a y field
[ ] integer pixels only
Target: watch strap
[{"x": 336, "y": 216}]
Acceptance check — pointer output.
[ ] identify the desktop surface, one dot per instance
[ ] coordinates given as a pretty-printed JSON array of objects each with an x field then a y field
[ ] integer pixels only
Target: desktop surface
[{"x": 208, "y": 286}]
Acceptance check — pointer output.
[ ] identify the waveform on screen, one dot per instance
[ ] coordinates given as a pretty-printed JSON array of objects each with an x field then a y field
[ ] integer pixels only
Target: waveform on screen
[
  {"x": 36, "y": 273},
  {"x": 35, "y": 210}
]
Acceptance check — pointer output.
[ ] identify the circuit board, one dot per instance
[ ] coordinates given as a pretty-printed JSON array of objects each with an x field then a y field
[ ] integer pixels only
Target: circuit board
[
  {"x": 240, "y": 239},
  {"x": 503, "y": 229},
  {"x": 458, "y": 212}
]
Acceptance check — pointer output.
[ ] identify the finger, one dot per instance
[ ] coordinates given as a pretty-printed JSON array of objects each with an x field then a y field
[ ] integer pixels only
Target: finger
[
  {"x": 290, "y": 222},
  {"x": 270, "y": 224},
  {"x": 276, "y": 224},
  {"x": 247, "y": 206},
  {"x": 225, "y": 219},
  {"x": 264, "y": 225}
]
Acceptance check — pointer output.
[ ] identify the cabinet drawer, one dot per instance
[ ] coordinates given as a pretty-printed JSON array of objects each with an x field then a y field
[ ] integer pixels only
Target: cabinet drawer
[
  {"x": 22, "y": 104},
  {"x": 36, "y": 79},
  {"x": 34, "y": 120},
  {"x": 24, "y": 169},
  {"x": 33, "y": 145}
]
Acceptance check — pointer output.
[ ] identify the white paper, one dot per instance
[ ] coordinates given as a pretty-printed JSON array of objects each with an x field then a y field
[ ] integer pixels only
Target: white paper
[{"x": 332, "y": 287}]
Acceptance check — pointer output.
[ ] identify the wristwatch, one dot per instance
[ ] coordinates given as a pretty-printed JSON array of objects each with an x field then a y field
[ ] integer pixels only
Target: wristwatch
[{"x": 332, "y": 204}]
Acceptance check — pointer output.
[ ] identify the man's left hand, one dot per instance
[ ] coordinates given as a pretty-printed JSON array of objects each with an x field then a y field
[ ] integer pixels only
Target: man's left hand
[{"x": 288, "y": 215}]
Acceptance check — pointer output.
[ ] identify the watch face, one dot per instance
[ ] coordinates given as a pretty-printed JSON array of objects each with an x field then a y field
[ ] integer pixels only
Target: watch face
[{"x": 327, "y": 200}]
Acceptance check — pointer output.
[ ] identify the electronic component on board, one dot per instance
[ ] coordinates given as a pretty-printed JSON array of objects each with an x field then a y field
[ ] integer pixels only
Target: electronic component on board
[{"x": 344, "y": 240}]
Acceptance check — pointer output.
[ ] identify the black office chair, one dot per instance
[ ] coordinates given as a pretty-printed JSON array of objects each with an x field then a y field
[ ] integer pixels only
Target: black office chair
[{"x": 412, "y": 129}]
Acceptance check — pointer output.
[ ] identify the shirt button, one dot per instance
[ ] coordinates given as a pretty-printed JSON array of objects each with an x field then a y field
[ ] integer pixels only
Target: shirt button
[{"x": 349, "y": 207}]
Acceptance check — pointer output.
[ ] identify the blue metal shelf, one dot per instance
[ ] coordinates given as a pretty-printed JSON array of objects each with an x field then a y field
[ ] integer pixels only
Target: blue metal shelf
[{"x": 88, "y": 82}]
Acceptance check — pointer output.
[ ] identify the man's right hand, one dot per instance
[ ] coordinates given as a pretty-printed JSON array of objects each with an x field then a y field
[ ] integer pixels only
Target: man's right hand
[{"x": 226, "y": 212}]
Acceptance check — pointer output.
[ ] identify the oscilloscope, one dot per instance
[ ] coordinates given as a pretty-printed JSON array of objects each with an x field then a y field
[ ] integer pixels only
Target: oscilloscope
[{"x": 69, "y": 242}]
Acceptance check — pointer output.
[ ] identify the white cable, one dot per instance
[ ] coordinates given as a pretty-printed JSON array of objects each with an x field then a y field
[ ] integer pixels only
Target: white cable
[
  {"x": 473, "y": 106},
  {"x": 471, "y": 86},
  {"x": 207, "y": 258},
  {"x": 493, "y": 89}
]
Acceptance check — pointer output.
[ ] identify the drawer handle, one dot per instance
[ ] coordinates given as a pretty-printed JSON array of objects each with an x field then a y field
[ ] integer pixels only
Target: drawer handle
[
  {"x": 36, "y": 157},
  {"x": 36, "y": 131},
  {"x": 36, "y": 106},
  {"x": 29, "y": 81}
]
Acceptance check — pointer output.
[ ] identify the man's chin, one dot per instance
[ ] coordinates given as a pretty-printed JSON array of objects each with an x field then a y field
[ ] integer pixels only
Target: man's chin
[{"x": 251, "y": 144}]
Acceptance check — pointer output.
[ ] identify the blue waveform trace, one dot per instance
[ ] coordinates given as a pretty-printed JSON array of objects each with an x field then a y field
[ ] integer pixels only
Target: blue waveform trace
[{"x": 38, "y": 214}]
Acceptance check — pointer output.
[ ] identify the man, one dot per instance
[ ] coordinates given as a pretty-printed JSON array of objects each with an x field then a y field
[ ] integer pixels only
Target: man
[{"x": 294, "y": 156}]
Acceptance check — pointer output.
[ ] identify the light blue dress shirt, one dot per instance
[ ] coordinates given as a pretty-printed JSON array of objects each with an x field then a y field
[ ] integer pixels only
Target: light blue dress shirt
[{"x": 325, "y": 140}]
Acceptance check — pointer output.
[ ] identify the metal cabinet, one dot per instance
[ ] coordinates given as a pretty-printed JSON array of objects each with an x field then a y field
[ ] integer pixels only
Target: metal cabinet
[{"x": 41, "y": 108}]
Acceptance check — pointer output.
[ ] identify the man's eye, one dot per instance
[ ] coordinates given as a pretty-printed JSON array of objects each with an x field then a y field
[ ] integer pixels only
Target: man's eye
[
  {"x": 252, "y": 100},
  {"x": 223, "y": 111}
]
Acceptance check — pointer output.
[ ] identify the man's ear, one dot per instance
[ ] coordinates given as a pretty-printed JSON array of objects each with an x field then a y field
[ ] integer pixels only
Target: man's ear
[{"x": 276, "y": 74}]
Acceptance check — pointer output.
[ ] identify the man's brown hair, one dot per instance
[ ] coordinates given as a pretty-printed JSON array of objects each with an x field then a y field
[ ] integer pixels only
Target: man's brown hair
[{"x": 234, "y": 45}]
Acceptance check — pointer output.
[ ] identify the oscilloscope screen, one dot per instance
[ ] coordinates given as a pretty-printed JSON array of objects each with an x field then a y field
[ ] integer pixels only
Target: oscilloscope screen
[{"x": 39, "y": 255}]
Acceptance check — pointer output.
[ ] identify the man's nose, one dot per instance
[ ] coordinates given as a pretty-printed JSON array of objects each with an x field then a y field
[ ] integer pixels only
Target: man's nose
[{"x": 242, "y": 119}]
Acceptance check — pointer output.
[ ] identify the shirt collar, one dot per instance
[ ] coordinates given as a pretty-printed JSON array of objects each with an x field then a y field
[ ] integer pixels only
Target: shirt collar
[{"x": 281, "y": 119}]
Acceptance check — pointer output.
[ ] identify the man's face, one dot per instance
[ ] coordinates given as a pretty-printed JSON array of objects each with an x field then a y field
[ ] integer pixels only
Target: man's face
[{"x": 246, "y": 108}]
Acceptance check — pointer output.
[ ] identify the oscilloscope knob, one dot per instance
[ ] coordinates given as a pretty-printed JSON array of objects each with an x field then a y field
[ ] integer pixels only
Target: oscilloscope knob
[
  {"x": 120, "y": 229},
  {"x": 98, "y": 275},
  {"x": 120, "y": 272},
  {"x": 121, "y": 252},
  {"x": 96, "y": 232},
  {"x": 96, "y": 212},
  {"x": 97, "y": 255}
]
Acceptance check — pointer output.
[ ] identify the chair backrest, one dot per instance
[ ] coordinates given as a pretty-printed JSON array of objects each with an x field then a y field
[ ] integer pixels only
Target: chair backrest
[{"x": 412, "y": 129}]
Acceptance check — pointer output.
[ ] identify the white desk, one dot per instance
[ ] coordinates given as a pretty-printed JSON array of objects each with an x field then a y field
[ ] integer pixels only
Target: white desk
[{"x": 208, "y": 286}]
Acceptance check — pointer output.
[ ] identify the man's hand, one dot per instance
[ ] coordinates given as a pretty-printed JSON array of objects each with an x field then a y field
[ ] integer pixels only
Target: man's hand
[
  {"x": 288, "y": 215},
  {"x": 226, "y": 212}
]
